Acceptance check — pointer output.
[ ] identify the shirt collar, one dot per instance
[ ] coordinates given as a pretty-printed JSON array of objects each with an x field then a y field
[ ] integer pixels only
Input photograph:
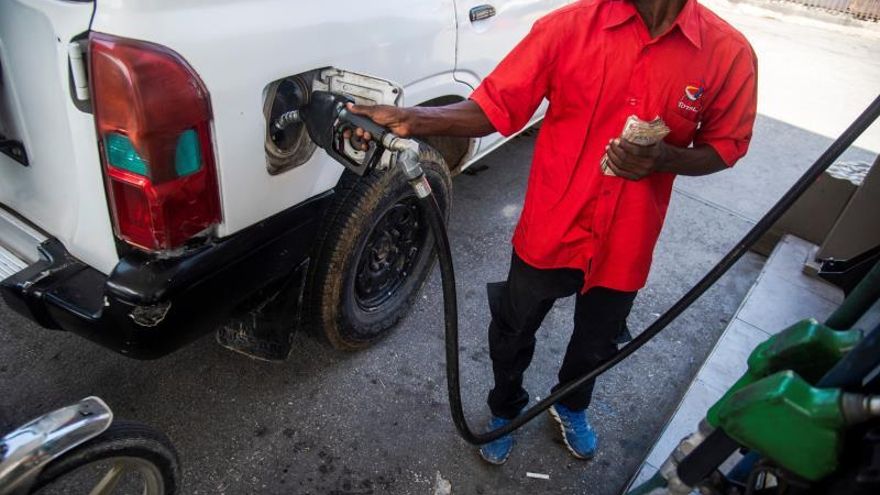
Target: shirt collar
[
  {"x": 688, "y": 20},
  {"x": 619, "y": 12}
]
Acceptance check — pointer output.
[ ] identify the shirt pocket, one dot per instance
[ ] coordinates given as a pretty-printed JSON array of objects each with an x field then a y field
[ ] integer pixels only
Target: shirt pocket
[{"x": 681, "y": 130}]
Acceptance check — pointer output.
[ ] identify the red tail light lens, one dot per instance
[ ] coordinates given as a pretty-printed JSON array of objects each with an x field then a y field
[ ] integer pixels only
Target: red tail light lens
[{"x": 153, "y": 116}]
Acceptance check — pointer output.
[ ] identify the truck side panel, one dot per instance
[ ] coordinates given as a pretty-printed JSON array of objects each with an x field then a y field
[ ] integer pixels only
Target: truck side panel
[{"x": 238, "y": 47}]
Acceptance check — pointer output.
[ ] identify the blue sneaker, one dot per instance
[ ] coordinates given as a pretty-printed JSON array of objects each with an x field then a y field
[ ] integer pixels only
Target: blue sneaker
[
  {"x": 497, "y": 451},
  {"x": 577, "y": 433}
]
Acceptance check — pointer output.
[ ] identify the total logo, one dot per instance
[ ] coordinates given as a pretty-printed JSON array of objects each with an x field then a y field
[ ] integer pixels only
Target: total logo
[
  {"x": 691, "y": 102},
  {"x": 694, "y": 93}
]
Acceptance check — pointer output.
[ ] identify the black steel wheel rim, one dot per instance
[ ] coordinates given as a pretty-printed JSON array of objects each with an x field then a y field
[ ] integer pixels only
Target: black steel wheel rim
[{"x": 391, "y": 252}]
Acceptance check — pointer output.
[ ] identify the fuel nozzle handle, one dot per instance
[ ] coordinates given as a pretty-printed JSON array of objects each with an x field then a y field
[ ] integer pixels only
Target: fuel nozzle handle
[
  {"x": 406, "y": 150},
  {"x": 378, "y": 132},
  {"x": 327, "y": 120}
]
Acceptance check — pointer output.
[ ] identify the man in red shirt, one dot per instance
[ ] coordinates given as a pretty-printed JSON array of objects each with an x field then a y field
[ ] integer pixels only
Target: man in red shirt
[{"x": 582, "y": 232}]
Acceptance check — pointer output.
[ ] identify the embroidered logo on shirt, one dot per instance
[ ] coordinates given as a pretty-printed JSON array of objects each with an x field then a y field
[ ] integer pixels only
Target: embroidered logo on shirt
[
  {"x": 693, "y": 92},
  {"x": 691, "y": 102}
]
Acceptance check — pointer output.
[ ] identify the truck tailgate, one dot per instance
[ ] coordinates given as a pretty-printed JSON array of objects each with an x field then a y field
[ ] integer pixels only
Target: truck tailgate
[{"x": 61, "y": 189}]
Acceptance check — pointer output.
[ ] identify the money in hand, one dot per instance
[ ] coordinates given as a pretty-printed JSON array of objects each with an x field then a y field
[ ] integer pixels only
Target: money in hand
[{"x": 639, "y": 132}]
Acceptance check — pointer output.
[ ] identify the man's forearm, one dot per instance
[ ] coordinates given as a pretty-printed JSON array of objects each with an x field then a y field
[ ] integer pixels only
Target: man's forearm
[
  {"x": 462, "y": 119},
  {"x": 699, "y": 160},
  {"x": 635, "y": 162}
]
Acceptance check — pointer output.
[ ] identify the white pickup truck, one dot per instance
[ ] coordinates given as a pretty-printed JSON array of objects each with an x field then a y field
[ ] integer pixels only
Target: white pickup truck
[{"x": 147, "y": 196}]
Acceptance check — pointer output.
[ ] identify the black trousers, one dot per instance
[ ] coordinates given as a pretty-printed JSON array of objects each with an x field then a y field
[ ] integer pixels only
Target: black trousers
[{"x": 518, "y": 307}]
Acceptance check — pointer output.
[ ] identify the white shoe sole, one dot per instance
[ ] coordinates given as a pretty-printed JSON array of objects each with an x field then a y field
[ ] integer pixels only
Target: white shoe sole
[{"x": 555, "y": 416}]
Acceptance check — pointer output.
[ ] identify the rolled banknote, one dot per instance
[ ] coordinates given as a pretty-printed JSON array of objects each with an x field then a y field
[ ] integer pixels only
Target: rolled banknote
[{"x": 640, "y": 132}]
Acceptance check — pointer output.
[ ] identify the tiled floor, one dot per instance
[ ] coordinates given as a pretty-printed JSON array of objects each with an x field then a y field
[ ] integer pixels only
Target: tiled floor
[{"x": 781, "y": 296}]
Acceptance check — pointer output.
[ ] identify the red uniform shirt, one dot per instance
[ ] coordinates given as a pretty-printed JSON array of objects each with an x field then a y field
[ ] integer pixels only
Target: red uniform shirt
[{"x": 597, "y": 64}]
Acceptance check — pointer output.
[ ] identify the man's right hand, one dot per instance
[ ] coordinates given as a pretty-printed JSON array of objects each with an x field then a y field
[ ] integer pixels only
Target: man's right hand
[
  {"x": 395, "y": 119},
  {"x": 461, "y": 119}
]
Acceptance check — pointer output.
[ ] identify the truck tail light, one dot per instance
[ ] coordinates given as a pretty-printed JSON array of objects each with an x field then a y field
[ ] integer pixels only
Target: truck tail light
[{"x": 153, "y": 116}]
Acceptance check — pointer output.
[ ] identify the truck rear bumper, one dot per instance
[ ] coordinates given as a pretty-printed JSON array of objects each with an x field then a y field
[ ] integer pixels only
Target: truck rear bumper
[{"x": 150, "y": 306}]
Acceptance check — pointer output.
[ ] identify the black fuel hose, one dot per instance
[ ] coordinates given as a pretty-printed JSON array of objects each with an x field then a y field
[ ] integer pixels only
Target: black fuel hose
[{"x": 436, "y": 222}]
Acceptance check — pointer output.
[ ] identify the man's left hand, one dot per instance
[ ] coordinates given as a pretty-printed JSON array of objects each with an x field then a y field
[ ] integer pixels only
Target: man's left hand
[{"x": 632, "y": 161}]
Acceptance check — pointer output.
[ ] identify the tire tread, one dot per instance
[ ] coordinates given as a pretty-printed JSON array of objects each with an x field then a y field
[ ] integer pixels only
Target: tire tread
[{"x": 356, "y": 198}]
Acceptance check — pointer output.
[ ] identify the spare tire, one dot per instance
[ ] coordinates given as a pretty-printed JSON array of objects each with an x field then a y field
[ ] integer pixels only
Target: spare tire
[{"x": 373, "y": 254}]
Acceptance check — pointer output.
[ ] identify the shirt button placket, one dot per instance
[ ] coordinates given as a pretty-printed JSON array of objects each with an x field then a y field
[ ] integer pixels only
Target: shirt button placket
[{"x": 636, "y": 82}]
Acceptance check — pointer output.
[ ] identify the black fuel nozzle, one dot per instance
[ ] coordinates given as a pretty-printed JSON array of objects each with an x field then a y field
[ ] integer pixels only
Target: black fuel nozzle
[{"x": 327, "y": 119}]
